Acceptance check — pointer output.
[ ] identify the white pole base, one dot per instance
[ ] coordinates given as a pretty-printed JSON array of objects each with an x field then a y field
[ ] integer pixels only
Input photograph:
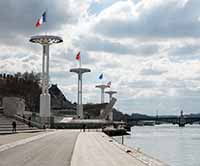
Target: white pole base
[
  {"x": 80, "y": 111},
  {"x": 111, "y": 116},
  {"x": 45, "y": 111}
]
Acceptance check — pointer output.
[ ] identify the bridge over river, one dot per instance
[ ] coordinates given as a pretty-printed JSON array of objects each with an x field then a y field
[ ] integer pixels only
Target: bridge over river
[{"x": 181, "y": 120}]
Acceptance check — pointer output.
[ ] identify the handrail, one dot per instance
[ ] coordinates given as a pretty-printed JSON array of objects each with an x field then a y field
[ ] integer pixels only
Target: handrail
[{"x": 35, "y": 124}]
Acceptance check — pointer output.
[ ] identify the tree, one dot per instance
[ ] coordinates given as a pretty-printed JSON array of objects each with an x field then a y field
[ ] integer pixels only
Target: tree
[{"x": 26, "y": 85}]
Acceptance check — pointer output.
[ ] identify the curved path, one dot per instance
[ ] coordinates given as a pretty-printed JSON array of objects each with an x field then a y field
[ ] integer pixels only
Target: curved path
[{"x": 52, "y": 150}]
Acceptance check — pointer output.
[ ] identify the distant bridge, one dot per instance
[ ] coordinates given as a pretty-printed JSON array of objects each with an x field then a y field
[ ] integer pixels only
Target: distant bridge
[{"x": 180, "y": 120}]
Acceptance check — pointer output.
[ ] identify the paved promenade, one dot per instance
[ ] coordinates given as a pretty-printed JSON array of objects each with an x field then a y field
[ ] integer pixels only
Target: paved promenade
[
  {"x": 95, "y": 148},
  {"x": 9, "y": 138},
  {"x": 52, "y": 150},
  {"x": 68, "y": 147}
]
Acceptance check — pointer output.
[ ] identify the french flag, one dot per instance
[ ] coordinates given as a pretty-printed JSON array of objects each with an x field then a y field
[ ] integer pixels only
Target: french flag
[
  {"x": 109, "y": 84},
  {"x": 41, "y": 20}
]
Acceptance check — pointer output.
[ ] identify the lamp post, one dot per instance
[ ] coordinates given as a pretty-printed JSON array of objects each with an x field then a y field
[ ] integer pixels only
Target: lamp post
[
  {"x": 102, "y": 87},
  {"x": 80, "y": 72},
  {"x": 110, "y": 93},
  {"x": 45, "y": 98}
]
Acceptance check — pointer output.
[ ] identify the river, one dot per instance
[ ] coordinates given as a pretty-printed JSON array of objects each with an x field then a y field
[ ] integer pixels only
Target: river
[{"x": 169, "y": 143}]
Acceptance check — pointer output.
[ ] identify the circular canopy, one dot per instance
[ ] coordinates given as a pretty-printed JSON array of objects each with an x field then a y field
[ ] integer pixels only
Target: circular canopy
[
  {"x": 80, "y": 70},
  {"x": 102, "y": 86},
  {"x": 111, "y": 92},
  {"x": 46, "y": 39}
]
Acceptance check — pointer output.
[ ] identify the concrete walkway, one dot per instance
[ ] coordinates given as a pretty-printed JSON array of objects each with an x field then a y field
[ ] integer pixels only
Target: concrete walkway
[
  {"x": 68, "y": 147},
  {"x": 95, "y": 148},
  {"x": 53, "y": 150},
  {"x": 9, "y": 138}
]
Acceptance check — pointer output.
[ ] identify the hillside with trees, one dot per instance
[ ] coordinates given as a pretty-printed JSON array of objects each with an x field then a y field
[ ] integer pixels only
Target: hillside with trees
[{"x": 26, "y": 86}]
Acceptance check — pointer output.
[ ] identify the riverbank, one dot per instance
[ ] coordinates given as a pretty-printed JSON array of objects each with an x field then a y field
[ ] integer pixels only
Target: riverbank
[
  {"x": 90, "y": 148},
  {"x": 98, "y": 148},
  {"x": 171, "y": 144}
]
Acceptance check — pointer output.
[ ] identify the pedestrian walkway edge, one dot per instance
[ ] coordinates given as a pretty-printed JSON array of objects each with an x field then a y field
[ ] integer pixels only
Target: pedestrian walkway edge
[{"x": 24, "y": 141}]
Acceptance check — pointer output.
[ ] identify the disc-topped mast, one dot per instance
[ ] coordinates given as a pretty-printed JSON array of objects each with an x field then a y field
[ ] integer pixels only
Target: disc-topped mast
[{"x": 45, "y": 41}]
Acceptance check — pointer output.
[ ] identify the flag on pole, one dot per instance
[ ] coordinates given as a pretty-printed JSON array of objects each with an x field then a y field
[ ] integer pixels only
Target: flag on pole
[
  {"x": 101, "y": 76},
  {"x": 78, "y": 56},
  {"x": 41, "y": 20},
  {"x": 109, "y": 84}
]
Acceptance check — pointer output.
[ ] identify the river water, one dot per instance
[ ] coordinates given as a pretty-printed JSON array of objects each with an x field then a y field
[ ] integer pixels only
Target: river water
[{"x": 169, "y": 143}]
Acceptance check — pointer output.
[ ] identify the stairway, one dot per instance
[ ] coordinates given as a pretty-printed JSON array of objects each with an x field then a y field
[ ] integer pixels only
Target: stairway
[{"x": 6, "y": 125}]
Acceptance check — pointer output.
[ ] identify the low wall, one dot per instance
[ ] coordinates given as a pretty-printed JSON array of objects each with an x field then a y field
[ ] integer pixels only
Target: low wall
[{"x": 88, "y": 123}]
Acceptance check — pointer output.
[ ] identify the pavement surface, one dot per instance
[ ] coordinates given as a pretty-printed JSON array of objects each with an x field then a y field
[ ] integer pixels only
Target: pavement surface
[
  {"x": 69, "y": 148},
  {"x": 95, "y": 148},
  {"x": 8, "y": 138},
  {"x": 53, "y": 150}
]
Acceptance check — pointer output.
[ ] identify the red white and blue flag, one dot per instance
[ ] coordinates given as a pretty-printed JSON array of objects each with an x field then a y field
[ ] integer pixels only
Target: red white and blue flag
[
  {"x": 109, "y": 84},
  {"x": 41, "y": 20}
]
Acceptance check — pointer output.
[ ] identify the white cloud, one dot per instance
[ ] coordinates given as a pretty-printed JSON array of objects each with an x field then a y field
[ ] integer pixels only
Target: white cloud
[
  {"x": 154, "y": 19},
  {"x": 148, "y": 49}
]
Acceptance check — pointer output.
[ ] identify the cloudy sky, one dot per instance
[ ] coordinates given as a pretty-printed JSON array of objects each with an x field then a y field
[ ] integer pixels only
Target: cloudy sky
[{"x": 149, "y": 49}]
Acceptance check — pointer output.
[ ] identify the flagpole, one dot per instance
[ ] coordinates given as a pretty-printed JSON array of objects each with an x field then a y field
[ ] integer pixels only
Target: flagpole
[
  {"x": 46, "y": 22},
  {"x": 102, "y": 79},
  {"x": 80, "y": 62}
]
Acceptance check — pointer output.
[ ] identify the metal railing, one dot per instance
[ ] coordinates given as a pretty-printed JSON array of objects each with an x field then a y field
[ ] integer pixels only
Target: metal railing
[{"x": 28, "y": 122}]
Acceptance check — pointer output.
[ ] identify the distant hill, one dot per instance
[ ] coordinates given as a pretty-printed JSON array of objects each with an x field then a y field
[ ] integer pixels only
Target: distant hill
[
  {"x": 27, "y": 86},
  {"x": 118, "y": 116},
  {"x": 58, "y": 100}
]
